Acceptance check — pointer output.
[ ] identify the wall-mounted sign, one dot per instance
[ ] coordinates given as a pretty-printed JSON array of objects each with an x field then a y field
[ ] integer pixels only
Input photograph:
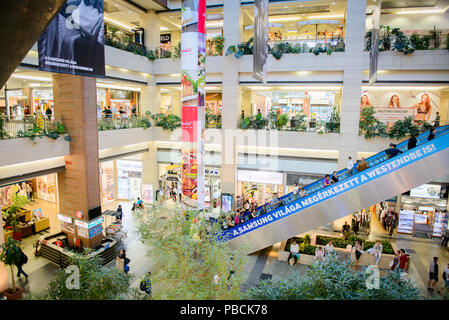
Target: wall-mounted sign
[
  {"x": 426, "y": 191},
  {"x": 265, "y": 177},
  {"x": 95, "y": 222},
  {"x": 165, "y": 37},
  {"x": 95, "y": 231},
  {"x": 81, "y": 224},
  {"x": 82, "y": 232},
  {"x": 65, "y": 218}
]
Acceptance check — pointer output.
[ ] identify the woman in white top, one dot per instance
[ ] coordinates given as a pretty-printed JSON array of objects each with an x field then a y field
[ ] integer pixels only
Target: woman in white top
[
  {"x": 378, "y": 251},
  {"x": 329, "y": 248},
  {"x": 319, "y": 253},
  {"x": 294, "y": 252}
]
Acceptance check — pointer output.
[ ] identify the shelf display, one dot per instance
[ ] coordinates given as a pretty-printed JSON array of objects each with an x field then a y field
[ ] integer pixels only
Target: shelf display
[
  {"x": 439, "y": 224},
  {"x": 406, "y": 221}
]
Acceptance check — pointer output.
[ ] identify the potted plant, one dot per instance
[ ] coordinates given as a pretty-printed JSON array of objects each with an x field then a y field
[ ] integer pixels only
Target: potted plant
[
  {"x": 10, "y": 254},
  {"x": 281, "y": 121},
  {"x": 11, "y": 214}
]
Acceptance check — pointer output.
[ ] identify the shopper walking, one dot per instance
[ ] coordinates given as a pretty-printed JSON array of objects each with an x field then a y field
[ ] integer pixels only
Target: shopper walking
[
  {"x": 436, "y": 123},
  {"x": 119, "y": 212},
  {"x": 334, "y": 177},
  {"x": 358, "y": 249},
  {"x": 403, "y": 261},
  {"x": 378, "y": 251},
  {"x": 294, "y": 252},
  {"x": 412, "y": 142},
  {"x": 23, "y": 260},
  {"x": 433, "y": 275},
  {"x": 326, "y": 180}
]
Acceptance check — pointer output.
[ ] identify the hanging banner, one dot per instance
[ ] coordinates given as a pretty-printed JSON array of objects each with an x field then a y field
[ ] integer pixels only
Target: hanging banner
[
  {"x": 193, "y": 75},
  {"x": 73, "y": 42},
  {"x": 260, "y": 52},
  {"x": 374, "y": 53}
]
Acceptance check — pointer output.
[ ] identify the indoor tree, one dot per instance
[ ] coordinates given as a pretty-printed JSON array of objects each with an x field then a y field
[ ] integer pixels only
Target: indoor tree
[
  {"x": 10, "y": 255},
  {"x": 190, "y": 262},
  {"x": 369, "y": 126},
  {"x": 332, "y": 279},
  {"x": 96, "y": 282}
]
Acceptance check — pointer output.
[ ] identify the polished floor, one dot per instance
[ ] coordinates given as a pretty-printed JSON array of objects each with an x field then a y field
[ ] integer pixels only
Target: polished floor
[{"x": 261, "y": 265}]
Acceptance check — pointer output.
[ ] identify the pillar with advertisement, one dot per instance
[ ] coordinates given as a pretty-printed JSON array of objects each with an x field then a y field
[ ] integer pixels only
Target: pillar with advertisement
[{"x": 193, "y": 76}]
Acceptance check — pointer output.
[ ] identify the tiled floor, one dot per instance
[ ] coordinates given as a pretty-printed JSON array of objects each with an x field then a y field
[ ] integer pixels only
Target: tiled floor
[{"x": 263, "y": 263}]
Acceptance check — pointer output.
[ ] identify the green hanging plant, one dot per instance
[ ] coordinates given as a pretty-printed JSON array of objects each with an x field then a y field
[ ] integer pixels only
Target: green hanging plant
[
  {"x": 369, "y": 126},
  {"x": 333, "y": 125}
]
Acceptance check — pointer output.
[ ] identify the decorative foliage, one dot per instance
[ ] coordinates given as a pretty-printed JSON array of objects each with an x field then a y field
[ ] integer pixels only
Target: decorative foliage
[
  {"x": 95, "y": 282},
  {"x": 243, "y": 48},
  {"x": 333, "y": 125},
  {"x": 370, "y": 126},
  {"x": 166, "y": 121},
  {"x": 11, "y": 214},
  {"x": 188, "y": 258},
  {"x": 343, "y": 243},
  {"x": 404, "y": 128},
  {"x": 401, "y": 42},
  {"x": 125, "y": 123},
  {"x": 213, "y": 120},
  {"x": 332, "y": 279},
  {"x": 10, "y": 255}
]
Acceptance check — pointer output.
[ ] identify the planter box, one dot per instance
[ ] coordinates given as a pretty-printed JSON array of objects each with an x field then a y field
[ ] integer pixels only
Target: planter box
[{"x": 13, "y": 296}]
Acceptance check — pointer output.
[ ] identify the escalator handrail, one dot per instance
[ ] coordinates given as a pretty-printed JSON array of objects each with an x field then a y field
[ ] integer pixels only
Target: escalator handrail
[{"x": 373, "y": 160}]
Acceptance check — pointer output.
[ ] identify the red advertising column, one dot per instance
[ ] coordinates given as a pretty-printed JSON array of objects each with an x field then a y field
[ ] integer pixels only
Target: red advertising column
[{"x": 193, "y": 77}]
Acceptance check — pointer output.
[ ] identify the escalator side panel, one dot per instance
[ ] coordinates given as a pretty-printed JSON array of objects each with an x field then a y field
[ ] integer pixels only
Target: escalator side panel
[{"x": 379, "y": 189}]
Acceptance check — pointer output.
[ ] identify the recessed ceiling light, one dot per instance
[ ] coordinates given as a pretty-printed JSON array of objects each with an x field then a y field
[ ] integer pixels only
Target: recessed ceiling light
[
  {"x": 333, "y": 3},
  {"x": 301, "y": 5}
]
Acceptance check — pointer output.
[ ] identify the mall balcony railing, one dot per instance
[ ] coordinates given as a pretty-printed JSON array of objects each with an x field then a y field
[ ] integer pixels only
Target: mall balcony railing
[
  {"x": 308, "y": 45},
  {"x": 31, "y": 126},
  {"x": 114, "y": 122},
  {"x": 285, "y": 122}
]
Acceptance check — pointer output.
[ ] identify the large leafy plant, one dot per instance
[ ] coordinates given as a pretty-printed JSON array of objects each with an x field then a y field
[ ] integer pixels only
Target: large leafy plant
[
  {"x": 369, "y": 126},
  {"x": 332, "y": 279},
  {"x": 404, "y": 128},
  {"x": 10, "y": 255},
  {"x": 166, "y": 121},
  {"x": 96, "y": 282},
  {"x": 243, "y": 48},
  {"x": 333, "y": 125},
  {"x": 12, "y": 213}
]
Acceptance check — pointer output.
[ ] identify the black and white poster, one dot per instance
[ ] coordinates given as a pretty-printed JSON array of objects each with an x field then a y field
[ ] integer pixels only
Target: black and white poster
[
  {"x": 260, "y": 52},
  {"x": 374, "y": 53},
  {"x": 74, "y": 40}
]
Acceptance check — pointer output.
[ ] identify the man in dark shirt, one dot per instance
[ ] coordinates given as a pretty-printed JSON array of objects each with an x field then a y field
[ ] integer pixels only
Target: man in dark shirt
[
  {"x": 412, "y": 141},
  {"x": 393, "y": 151},
  {"x": 431, "y": 134},
  {"x": 108, "y": 113},
  {"x": 334, "y": 177}
]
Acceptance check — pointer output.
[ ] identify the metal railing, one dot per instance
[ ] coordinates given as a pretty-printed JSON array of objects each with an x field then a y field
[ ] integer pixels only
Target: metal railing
[{"x": 13, "y": 128}]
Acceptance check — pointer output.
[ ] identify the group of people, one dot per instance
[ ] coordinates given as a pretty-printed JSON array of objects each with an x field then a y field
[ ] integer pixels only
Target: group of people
[
  {"x": 169, "y": 192},
  {"x": 108, "y": 113}
]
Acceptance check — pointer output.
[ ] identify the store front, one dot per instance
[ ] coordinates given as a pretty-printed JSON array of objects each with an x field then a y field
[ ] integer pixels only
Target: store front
[
  {"x": 170, "y": 177},
  {"x": 300, "y": 180},
  {"x": 42, "y": 195},
  {"x": 259, "y": 185},
  {"x": 424, "y": 211},
  {"x": 129, "y": 179},
  {"x": 116, "y": 99}
]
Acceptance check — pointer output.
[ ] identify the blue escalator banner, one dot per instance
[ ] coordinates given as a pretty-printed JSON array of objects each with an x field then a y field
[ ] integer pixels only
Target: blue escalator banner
[{"x": 348, "y": 184}]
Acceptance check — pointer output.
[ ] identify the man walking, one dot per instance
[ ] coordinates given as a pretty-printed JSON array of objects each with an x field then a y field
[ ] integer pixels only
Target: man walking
[
  {"x": 433, "y": 275},
  {"x": 350, "y": 165},
  {"x": 412, "y": 142}
]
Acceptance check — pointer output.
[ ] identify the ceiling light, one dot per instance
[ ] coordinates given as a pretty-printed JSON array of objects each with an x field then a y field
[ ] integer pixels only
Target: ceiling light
[
  {"x": 328, "y": 16},
  {"x": 419, "y": 11},
  {"x": 163, "y": 28},
  {"x": 260, "y": 88},
  {"x": 213, "y": 88},
  {"x": 109, "y": 86},
  {"x": 283, "y": 19},
  {"x": 118, "y": 23},
  {"x": 214, "y": 24},
  {"x": 26, "y": 77},
  {"x": 123, "y": 69}
]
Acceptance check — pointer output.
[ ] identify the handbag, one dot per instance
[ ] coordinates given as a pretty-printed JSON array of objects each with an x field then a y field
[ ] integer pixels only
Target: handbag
[{"x": 126, "y": 268}]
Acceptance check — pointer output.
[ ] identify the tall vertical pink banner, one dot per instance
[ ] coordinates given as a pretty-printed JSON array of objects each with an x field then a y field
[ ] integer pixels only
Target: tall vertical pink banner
[{"x": 193, "y": 78}]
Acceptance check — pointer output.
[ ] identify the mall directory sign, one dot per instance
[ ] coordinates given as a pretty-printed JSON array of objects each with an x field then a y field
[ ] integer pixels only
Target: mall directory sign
[
  {"x": 193, "y": 75},
  {"x": 73, "y": 42}
]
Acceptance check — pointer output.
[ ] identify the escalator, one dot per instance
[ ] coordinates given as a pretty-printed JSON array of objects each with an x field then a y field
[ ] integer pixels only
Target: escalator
[{"x": 385, "y": 178}]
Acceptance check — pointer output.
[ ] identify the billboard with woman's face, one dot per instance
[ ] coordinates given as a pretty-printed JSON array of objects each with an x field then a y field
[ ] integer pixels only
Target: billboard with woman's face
[{"x": 392, "y": 105}]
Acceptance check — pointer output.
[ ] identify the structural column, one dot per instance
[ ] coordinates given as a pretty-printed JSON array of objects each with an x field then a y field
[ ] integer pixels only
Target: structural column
[
  {"x": 352, "y": 78},
  {"x": 151, "y": 25},
  {"x": 231, "y": 97},
  {"x": 150, "y": 170},
  {"x": 150, "y": 97},
  {"x": 4, "y": 280},
  {"x": 75, "y": 99}
]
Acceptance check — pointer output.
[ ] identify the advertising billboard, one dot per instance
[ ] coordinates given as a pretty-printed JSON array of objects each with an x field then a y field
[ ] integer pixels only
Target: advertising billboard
[
  {"x": 260, "y": 52},
  {"x": 73, "y": 42}
]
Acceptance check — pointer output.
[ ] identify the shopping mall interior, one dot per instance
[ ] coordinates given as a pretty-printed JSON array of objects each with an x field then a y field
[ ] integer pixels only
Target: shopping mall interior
[{"x": 76, "y": 145}]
